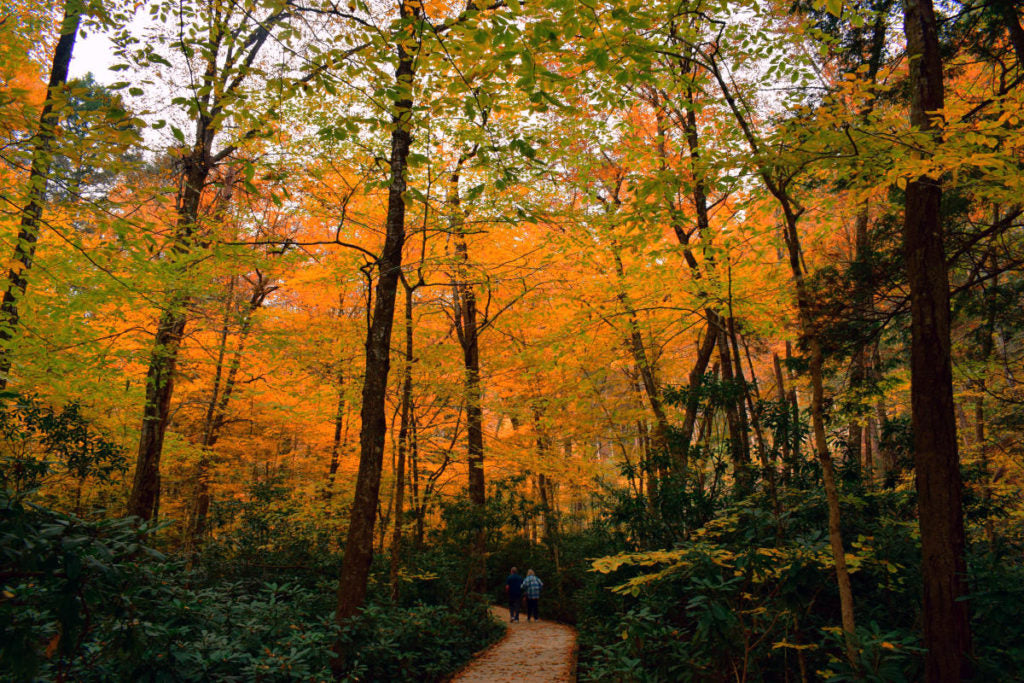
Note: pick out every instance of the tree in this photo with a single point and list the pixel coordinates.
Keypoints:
(227, 59)
(42, 158)
(936, 460)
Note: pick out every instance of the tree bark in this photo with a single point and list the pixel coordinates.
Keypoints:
(1008, 9)
(809, 331)
(355, 565)
(947, 634)
(403, 447)
(340, 437)
(696, 380)
(782, 399)
(467, 326)
(217, 412)
(699, 196)
(645, 366)
(32, 215)
(738, 446)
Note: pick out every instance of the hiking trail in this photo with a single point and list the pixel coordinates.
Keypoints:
(537, 652)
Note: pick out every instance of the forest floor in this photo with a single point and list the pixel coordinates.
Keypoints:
(537, 652)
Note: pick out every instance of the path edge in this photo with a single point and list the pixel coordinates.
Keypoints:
(477, 655)
(575, 656)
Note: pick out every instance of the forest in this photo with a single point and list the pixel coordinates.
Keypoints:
(318, 316)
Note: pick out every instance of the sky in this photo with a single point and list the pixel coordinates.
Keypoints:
(95, 54)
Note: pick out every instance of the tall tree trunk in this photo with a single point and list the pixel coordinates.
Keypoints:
(217, 413)
(31, 216)
(780, 385)
(695, 381)
(144, 499)
(855, 431)
(873, 450)
(1008, 10)
(699, 197)
(403, 446)
(200, 503)
(987, 344)
(645, 367)
(467, 327)
(858, 364)
(419, 507)
(809, 331)
(336, 440)
(857, 439)
(340, 433)
(737, 436)
(947, 634)
(355, 565)
(219, 90)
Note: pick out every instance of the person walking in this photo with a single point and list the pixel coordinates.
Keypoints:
(514, 593)
(531, 587)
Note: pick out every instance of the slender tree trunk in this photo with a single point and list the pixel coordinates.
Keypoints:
(696, 380)
(144, 499)
(781, 392)
(336, 440)
(947, 634)
(737, 438)
(32, 215)
(794, 404)
(874, 447)
(645, 367)
(468, 331)
(1008, 9)
(858, 364)
(817, 372)
(216, 415)
(809, 331)
(987, 344)
(869, 453)
(200, 503)
(547, 501)
(419, 506)
(355, 565)
(703, 229)
(403, 446)
(741, 382)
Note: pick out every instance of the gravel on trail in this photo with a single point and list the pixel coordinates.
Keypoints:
(536, 652)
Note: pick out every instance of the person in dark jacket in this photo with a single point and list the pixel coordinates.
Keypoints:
(514, 592)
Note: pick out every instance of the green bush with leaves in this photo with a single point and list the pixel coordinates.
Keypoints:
(89, 601)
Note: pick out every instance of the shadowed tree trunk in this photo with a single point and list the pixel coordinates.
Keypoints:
(217, 408)
(738, 446)
(699, 196)
(32, 215)
(145, 495)
(980, 419)
(947, 634)
(403, 446)
(467, 328)
(645, 367)
(791, 212)
(337, 440)
(221, 80)
(355, 564)
(1011, 20)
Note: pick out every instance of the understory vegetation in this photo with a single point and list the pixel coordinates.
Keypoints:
(717, 589)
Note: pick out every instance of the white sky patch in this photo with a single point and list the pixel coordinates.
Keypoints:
(93, 54)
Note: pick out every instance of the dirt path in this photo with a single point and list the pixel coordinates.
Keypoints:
(537, 652)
